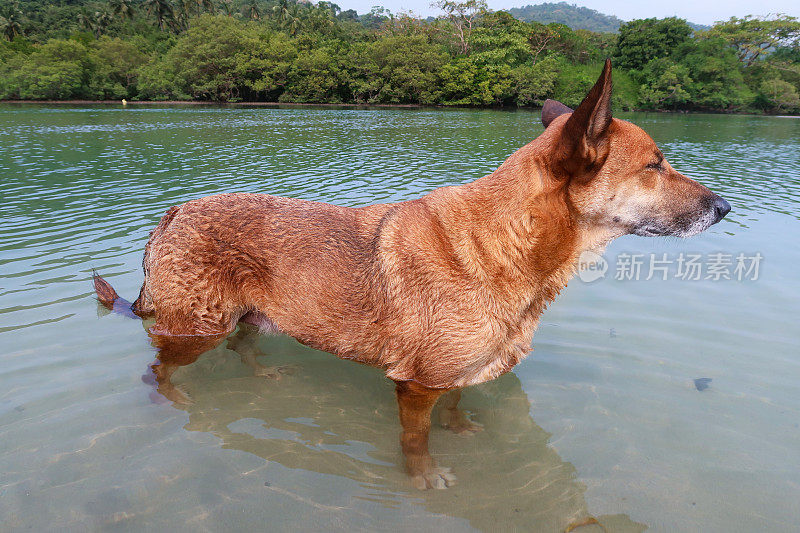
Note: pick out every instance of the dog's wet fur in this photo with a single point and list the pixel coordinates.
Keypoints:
(442, 292)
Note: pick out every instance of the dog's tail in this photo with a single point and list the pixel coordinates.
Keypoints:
(109, 298)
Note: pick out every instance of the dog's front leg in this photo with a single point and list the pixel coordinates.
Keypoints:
(245, 343)
(175, 352)
(416, 403)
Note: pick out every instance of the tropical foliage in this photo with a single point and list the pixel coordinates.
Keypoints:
(293, 51)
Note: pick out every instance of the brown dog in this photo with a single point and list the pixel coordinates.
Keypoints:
(442, 292)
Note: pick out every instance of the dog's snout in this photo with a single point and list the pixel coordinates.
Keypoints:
(721, 208)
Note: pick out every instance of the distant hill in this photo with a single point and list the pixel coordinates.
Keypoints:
(574, 16)
(698, 27)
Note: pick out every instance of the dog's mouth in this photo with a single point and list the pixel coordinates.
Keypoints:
(713, 210)
(682, 226)
(651, 230)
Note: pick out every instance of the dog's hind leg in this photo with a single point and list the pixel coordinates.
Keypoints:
(455, 419)
(416, 403)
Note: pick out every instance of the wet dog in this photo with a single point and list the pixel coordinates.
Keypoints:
(442, 292)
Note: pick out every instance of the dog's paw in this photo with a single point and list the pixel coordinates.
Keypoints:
(458, 423)
(437, 477)
(466, 428)
(274, 372)
(177, 394)
(243, 345)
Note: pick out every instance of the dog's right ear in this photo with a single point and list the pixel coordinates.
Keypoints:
(584, 134)
(552, 109)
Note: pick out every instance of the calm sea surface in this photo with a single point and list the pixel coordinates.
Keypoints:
(604, 419)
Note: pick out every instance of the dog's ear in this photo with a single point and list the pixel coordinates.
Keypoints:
(552, 109)
(585, 131)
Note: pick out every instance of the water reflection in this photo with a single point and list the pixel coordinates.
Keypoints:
(308, 410)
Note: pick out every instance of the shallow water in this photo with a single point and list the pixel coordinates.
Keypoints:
(604, 418)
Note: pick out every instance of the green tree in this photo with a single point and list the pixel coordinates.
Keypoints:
(594, 46)
(717, 81)
(397, 70)
(573, 82)
(575, 79)
(462, 16)
(320, 18)
(666, 84)
(377, 16)
(754, 37)
(642, 40)
(464, 81)
(59, 69)
(500, 39)
(315, 52)
(295, 21)
(221, 59)
(317, 76)
(779, 95)
(116, 67)
(533, 84)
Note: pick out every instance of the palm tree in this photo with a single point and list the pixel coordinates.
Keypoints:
(185, 10)
(252, 10)
(281, 11)
(295, 21)
(86, 21)
(330, 6)
(124, 9)
(101, 22)
(11, 21)
(206, 6)
(161, 10)
(226, 7)
(320, 18)
(10, 27)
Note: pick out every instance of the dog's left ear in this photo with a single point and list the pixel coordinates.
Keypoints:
(553, 109)
(585, 131)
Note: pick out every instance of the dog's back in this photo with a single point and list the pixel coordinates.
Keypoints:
(221, 256)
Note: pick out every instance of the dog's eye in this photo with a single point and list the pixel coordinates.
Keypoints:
(656, 166)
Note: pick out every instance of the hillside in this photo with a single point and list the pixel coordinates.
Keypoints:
(576, 17)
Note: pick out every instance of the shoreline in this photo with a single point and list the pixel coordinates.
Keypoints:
(237, 104)
(355, 106)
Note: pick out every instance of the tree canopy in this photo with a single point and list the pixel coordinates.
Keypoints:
(296, 51)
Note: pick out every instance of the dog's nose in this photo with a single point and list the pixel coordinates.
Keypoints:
(721, 207)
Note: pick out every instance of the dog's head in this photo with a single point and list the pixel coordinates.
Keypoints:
(617, 179)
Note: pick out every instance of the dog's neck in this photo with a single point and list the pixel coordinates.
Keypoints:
(518, 233)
